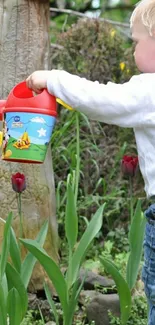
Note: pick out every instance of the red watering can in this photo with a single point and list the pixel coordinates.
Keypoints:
(28, 122)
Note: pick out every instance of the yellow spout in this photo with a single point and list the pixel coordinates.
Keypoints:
(64, 104)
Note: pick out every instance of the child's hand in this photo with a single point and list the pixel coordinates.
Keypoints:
(37, 81)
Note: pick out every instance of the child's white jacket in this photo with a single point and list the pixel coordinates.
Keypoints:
(131, 104)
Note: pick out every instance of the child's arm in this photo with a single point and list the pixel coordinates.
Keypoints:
(120, 104)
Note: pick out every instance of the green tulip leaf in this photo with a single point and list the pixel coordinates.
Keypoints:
(3, 311)
(14, 307)
(51, 269)
(51, 303)
(71, 219)
(73, 301)
(15, 251)
(14, 281)
(86, 239)
(122, 288)
(136, 236)
(5, 286)
(29, 261)
(5, 245)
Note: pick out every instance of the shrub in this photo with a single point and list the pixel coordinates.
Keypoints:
(95, 50)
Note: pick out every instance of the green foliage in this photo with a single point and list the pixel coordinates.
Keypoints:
(51, 303)
(31, 318)
(29, 261)
(13, 287)
(5, 246)
(71, 220)
(136, 236)
(124, 287)
(100, 178)
(120, 259)
(3, 309)
(138, 313)
(120, 239)
(14, 306)
(19, 294)
(15, 251)
(67, 286)
(106, 252)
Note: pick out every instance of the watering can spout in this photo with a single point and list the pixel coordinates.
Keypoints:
(2, 105)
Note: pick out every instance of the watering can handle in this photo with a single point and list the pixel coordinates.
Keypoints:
(22, 96)
(42, 97)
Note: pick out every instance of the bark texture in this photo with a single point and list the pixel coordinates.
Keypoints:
(24, 48)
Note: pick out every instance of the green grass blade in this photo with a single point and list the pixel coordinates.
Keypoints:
(3, 310)
(14, 281)
(71, 219)
(88, 236)
(14, 307)
(51, 269)
(15, 251)
(58, 194)
(29, 261)
(5, 245)
(41, 315)
(51, 303)
(122, 288)
(118, 159)
(136, 236)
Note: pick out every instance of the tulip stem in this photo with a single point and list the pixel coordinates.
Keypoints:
(131, 196)
(19, 201)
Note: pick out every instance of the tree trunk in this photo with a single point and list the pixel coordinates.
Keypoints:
(24, 48)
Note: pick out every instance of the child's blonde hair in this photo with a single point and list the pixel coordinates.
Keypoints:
(144, 13)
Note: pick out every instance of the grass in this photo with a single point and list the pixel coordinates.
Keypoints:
(100, 174)
(35, 152)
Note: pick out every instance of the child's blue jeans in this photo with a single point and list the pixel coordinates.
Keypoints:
(148, 272)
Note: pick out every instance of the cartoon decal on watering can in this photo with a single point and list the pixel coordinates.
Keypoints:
(28, 122)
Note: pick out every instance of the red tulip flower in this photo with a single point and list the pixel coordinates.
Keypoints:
(18, 182)
(129, 166)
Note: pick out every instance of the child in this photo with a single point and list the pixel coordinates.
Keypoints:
(131, 104)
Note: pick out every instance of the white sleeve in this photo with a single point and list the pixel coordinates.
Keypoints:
(120, 104)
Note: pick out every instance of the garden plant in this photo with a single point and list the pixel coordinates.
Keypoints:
(15, 277)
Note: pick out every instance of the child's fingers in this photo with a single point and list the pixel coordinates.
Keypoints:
(37, 81)
(29, 82)
(37, 91)
(32, 85)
